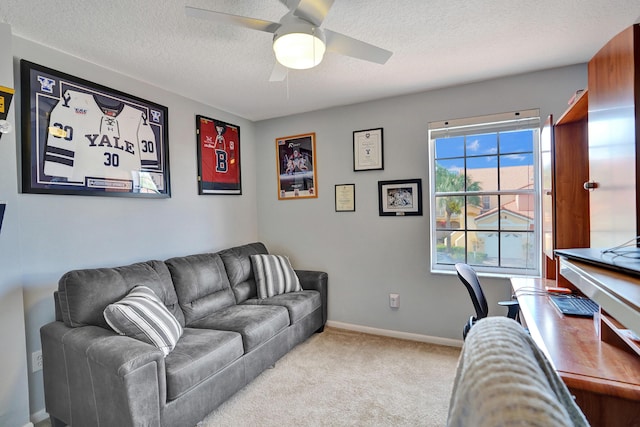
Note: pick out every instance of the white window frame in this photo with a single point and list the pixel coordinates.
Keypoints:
(517, 120)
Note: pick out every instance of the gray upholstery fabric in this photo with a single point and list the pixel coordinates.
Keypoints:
(84, 294)
(256, 323)
(200, 354)
(194, 405)
(319, 281)
(299, 304)
(94, 377)
(201, 284)
(237, 262)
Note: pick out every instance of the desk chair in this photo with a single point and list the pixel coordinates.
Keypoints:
(470, 280)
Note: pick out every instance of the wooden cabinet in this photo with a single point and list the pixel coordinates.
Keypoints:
(565, 168)
(614, 135)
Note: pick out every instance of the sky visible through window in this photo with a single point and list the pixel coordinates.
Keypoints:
(513, 148)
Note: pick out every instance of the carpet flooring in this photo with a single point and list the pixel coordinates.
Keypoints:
(345, 378)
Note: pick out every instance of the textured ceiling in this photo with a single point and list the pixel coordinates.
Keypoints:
(435, 44)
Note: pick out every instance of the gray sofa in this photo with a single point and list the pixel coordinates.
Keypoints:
(96, 377)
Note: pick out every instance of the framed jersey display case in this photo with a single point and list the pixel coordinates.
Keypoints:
(296, 160)
(79, 137)
(218, 157)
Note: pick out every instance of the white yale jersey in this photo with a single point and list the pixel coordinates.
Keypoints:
(87, 141)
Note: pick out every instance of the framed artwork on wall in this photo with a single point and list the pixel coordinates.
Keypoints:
(345, 197)
(218, 157)
(400, 197)
(79, 137)
(296, 166)
(368, 150)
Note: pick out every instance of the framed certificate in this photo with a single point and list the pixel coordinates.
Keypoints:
(368, 150)
(345, 198)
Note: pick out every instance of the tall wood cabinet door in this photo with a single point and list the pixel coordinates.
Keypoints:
(571, 171)
(613, 138)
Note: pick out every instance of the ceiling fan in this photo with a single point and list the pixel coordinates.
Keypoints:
(298, 40)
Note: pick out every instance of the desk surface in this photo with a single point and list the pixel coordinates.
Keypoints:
(573, 345)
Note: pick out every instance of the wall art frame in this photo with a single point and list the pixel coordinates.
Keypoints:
(368, 150)
(296, 166)
(401, 197)
(218, 145)
(345, 197)
(83, 138)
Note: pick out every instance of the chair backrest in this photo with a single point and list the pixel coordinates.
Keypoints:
(470, 280)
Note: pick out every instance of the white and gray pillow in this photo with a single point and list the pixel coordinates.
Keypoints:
(274, 275)
(143, 316)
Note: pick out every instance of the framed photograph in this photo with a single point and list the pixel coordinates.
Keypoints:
(296, 166)
(218, 157)
(368, 150)
(79, 137)
(345, 198)
(400, 198)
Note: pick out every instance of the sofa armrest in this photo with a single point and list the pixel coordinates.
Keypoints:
(92, 376)
(319, 281)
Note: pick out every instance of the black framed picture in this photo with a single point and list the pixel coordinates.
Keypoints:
(82, 138)
(218, 157)
(401, 197)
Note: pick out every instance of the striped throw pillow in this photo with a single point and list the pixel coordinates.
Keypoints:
(142, 315)
(274, 275)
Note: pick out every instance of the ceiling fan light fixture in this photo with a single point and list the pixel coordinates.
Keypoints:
(299, 49)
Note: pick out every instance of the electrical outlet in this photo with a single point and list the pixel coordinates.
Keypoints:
(36, 361)
(394, 300)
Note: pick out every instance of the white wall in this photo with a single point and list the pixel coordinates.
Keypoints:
(59, 233)
(368, 256)
(14, 404)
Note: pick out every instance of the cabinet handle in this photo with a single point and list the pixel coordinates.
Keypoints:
(590, 185)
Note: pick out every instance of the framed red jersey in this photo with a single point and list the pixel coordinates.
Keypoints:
(218, 157)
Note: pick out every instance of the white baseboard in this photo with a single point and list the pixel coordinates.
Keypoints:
(37, 417)
(28, 425)
(396, 334)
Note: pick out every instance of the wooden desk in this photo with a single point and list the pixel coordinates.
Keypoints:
(604, 378)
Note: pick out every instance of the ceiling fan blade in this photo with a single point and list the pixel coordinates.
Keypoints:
(226, 18)
(345, 45)
(279, 72)
(291, 4)
(313, 11)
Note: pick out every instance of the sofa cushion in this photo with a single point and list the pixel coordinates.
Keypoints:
(274, 275)
(239, 269)
(256, 323)
(201, 284)
(199, 354)
(84, 294)
(299, 304)
(141, 315)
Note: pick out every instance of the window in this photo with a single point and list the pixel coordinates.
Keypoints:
(484, 193)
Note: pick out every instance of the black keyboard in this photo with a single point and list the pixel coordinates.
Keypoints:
(575, 306)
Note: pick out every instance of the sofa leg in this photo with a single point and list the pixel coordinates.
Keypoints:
(320, 329)
(56, 422)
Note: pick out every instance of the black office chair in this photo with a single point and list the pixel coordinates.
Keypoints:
(470, 280)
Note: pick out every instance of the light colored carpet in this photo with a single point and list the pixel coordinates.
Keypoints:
(344, 378)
